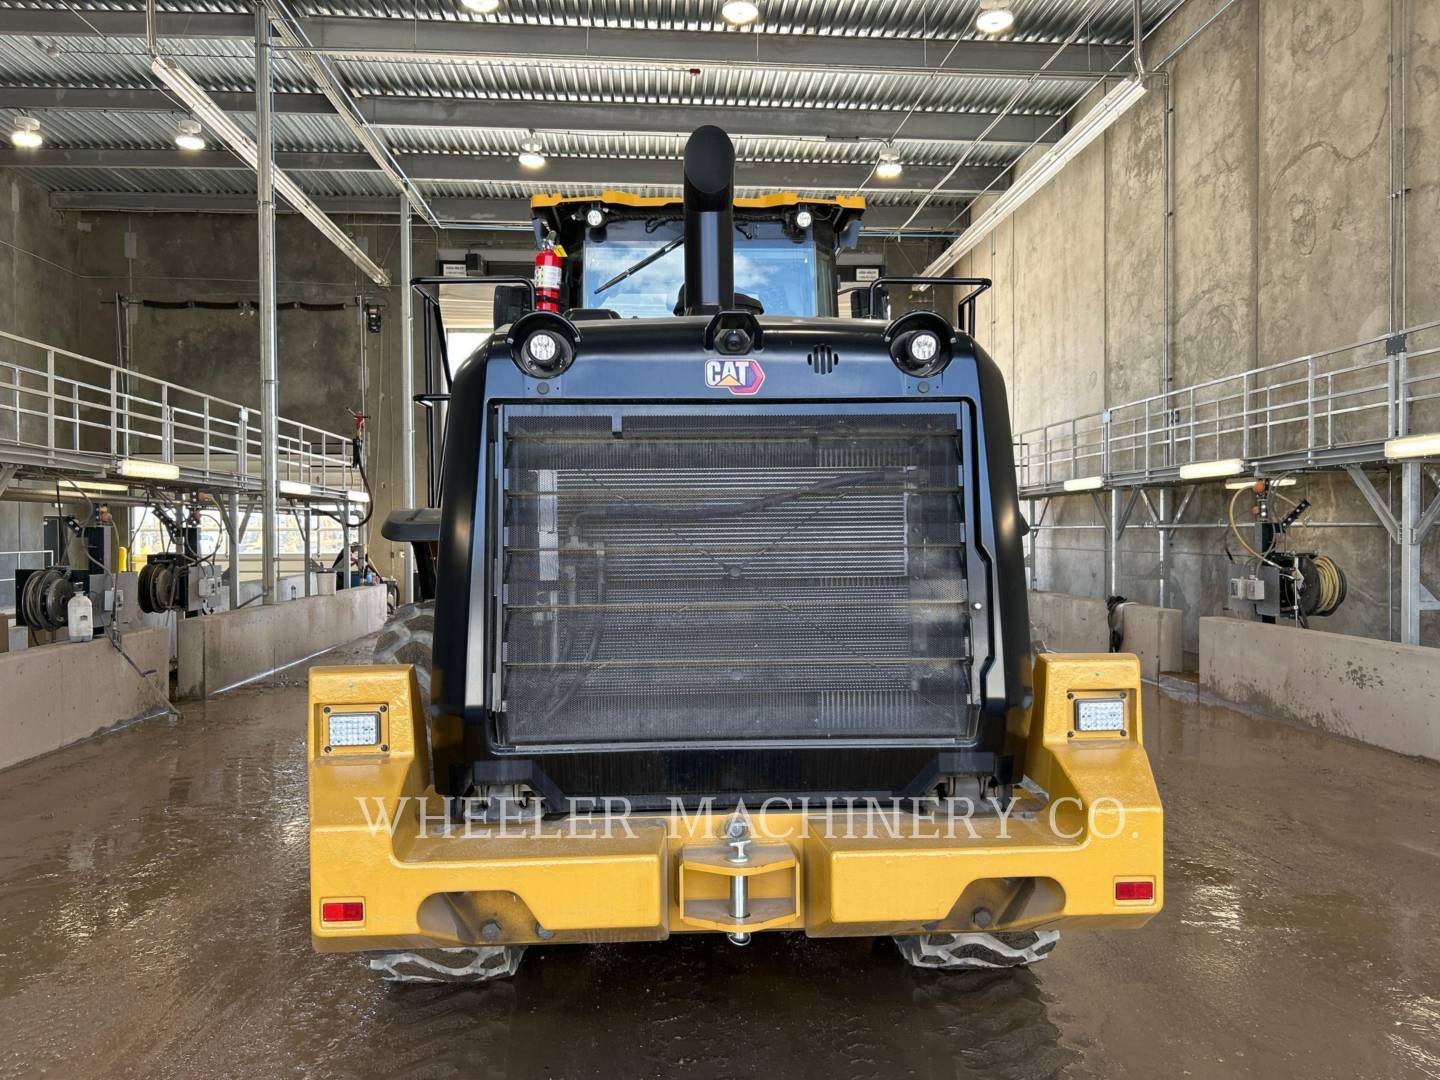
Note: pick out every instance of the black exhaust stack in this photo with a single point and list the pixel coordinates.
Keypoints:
(709, 222)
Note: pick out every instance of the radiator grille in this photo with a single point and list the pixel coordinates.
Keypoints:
(716, 578)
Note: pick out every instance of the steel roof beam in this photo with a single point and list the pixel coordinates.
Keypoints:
(463, 211)
(421, 40)
(764, 121)
(493, 168)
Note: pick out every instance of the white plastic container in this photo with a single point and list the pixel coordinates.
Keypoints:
(80, 618)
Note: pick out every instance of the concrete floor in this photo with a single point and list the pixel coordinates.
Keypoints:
(153, 921)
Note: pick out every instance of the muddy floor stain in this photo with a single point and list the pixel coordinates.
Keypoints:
(153, 904)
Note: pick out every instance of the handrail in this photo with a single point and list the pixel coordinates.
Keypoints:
(1309, 411)
(60, 409)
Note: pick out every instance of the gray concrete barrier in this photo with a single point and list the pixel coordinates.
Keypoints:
(216, 652)
(1379, 692)
(58, 694)
(1067, 623)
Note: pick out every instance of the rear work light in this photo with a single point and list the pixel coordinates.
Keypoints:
(1100, 714)
(352, 729)
(1135, 890)
(334, 911)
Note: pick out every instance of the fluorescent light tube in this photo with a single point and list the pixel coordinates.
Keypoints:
(1085, 483)
(358, 496)
(294, 487)
(143, 469)
(1413, 446)
(1086, 130)
(1211, 470)
(218, 121)
(1241, 485)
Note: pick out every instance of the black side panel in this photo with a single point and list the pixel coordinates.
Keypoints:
(456, 591)
(1010, 529)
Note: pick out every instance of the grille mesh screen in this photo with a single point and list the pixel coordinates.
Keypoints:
(726, 578)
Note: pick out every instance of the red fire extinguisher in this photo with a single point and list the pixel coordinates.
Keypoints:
(549, 264)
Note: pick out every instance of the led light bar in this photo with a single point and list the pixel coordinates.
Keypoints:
(352, 729)
(1413, 446)
(144, 469)
(1086, 130)
(1085, 483)
(294, 487)
(1211, 470)
(218, 121)
(1100, 714)
(358, 496)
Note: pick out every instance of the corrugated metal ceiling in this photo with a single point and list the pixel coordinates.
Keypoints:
(77, 61)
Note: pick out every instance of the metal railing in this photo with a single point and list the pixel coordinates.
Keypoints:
(1328, 408)
(62, 411)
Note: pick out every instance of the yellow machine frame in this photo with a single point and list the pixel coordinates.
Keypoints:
(1088, 818)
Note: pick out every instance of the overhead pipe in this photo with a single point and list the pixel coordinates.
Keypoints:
(298, 44)
(407, 394)
(269, 367)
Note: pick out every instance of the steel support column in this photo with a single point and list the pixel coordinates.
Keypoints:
(407, 394)
(1412, 592)
(233, 528)
(269, 372)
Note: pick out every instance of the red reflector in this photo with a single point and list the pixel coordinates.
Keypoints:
(346, 911)
(1134, 890)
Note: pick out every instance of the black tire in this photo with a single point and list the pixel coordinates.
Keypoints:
(408, 637)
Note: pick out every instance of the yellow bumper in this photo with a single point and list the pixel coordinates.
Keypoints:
(379, 839)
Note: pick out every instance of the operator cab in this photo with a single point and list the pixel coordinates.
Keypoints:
(625, 254)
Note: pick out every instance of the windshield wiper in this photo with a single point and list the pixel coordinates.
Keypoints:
(654, 256)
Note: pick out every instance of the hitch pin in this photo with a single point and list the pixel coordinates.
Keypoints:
(738, 837)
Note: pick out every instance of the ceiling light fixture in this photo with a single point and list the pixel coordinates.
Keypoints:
(27, 133)
(1085, 483)
(531, 156)
(187, 135)
(481, 7)
(739, 12)
(995, 17)
(889, 167)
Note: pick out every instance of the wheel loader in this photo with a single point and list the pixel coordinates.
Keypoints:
(723, 629)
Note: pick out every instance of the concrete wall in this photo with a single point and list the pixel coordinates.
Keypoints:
(1281, 151)
(1375, 691)
(218, 651)
(40, 298)
(58, 694)
(1066, 623)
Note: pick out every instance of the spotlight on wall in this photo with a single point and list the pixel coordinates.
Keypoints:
(995, 17)
(27, 133)
(739, 12)
(187, 135)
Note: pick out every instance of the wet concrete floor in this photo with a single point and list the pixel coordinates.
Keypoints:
(153, 922)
